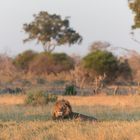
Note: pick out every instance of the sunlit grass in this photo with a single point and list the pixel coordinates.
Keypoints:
(119, 119)
(128, 100)
(49, 130)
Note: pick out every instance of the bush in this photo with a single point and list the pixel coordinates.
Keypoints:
(101, 62)
(63, 62)
(51, 63)
(23, 60)
(70, 90)
(39, 98)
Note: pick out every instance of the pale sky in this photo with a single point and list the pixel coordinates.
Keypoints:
(104, 20)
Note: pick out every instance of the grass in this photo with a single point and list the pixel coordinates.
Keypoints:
(119, 119)
(12, 99)
(128, 100)
(48, 130)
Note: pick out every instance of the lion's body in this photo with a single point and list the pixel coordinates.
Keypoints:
(81, 117)
(63, 110)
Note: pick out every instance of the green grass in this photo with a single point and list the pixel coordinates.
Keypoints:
(43, 113)
(109, 113)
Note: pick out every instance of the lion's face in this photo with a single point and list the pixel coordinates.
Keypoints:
(62, 109)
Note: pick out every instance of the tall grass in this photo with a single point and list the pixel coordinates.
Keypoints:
(119, 119)
(48, 130)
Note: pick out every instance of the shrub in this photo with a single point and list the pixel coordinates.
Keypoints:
(23, 60)
(101, 62)
(63, 62)
(39, 98)
(41, 64)
(70, 90)
(51, 63)
(52, 97)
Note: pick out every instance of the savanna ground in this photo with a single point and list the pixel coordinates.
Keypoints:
(119, 119)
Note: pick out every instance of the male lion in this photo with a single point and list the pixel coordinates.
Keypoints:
(63, 110)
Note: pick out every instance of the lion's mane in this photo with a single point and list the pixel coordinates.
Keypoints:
(62, 109)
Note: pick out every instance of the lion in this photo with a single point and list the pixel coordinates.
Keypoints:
(63, 110)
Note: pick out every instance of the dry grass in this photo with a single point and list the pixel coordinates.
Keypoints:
(70, 131)
(11, 99)
(131, 100)
(119, 115)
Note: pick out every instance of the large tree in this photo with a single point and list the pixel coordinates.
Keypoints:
(135, 7)
(51, 30)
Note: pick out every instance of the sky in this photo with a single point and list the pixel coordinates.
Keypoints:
(95, 20)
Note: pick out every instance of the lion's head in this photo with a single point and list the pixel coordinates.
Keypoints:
(62, 109)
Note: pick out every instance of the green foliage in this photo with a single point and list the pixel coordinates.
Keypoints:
(23, 60)
(63, 62)
(135, 7)
(124, 71)
(52, 97)
(70, 90)
(39, 98)
(101, 62)
(51, 63)
(51, 30)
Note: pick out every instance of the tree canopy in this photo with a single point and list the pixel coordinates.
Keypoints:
(135, 7)
(101, 62)
(22, 61)
(51, 30)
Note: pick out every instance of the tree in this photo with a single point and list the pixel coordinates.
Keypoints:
(101, 62)
(51, 30)
(135, 7)
(23, 60)
(99, 45)
(63, 62)
(124, 70)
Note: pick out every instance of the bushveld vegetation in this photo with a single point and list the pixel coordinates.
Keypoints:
(95, 72)
(31, 82)
(39, 98)
(29, 115)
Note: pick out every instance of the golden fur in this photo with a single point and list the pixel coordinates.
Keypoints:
(62, 109)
